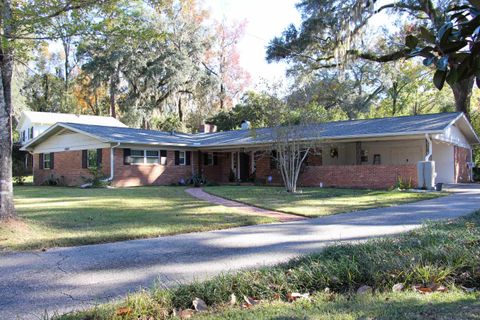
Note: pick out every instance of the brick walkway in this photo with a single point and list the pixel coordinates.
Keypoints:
(244, 208)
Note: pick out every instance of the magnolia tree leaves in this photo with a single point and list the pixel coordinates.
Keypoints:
(454, 50)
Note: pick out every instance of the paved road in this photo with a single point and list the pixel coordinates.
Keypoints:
(65, 279)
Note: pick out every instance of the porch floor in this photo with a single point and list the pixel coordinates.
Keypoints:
(242, 207)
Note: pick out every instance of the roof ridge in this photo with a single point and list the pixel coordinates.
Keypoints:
(200, 134)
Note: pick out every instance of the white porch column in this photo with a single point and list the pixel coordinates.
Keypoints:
(252, 162)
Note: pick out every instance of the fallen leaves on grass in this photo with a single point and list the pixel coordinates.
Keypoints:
(183, 314)
(250, 302)
(233, 299)
(123, 311)
(199, 305)
(468, 290)
(429, 289)
(294, 296)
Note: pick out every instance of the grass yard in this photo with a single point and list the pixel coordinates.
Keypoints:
(438, 254)
(316, 202)
(56, 216)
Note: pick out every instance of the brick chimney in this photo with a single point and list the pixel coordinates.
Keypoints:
(207, 128)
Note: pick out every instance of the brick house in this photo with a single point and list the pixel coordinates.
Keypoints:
(372, 153)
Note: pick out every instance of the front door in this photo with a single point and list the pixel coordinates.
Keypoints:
(244, 166)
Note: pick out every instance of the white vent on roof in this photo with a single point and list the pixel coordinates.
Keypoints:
(245, 125)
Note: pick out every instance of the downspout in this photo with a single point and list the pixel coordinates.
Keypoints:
(429, 155)
(471, 164)
(112, 161)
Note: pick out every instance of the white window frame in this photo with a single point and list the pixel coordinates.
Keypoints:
(94, 152)
(157, 157)
(45, 161)
(144, 157)
(182, 158)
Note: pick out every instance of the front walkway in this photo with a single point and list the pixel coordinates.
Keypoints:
(242, 207)
(67, 279)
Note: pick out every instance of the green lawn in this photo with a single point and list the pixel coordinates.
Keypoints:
(315, 201)
(442, 253)
(56, 216)
(386, 306)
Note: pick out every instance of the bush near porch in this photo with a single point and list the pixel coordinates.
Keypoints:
(314, 202)
(59, 216)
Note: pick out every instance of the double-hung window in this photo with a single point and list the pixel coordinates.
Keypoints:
(137, 156)
(92, 159)
(152, 156)
(209, 159)
(182, 158)
(47, 161)
(145, 156)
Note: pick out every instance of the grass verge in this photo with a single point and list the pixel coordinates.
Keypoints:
(442, 253)
(317, 201)
(57, 216)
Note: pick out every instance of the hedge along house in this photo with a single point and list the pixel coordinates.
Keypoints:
(372, 153)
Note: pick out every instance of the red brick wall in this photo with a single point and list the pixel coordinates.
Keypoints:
(358, 176)
(263, 169)
(462, 172)
(151, 174)
(220, 172)
(68, 168)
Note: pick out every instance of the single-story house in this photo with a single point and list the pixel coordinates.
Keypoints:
(371, 153)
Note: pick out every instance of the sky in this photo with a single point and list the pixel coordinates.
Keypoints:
(265, 20)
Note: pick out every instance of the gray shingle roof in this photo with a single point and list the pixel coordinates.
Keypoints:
(406, 125)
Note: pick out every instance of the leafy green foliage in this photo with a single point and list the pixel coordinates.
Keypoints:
(97, 177)
(258, 108)
(453, 50)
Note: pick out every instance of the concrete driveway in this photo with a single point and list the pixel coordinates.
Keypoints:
(65, 279)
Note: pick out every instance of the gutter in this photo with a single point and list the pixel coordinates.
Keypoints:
(112, 161)
(429, 155)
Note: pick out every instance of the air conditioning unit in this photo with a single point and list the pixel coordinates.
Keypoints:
(426, 174)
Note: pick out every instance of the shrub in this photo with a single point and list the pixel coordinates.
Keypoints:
(404, 184)
(19, 174)
(97, 178)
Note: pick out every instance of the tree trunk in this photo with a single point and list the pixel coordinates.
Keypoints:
(7, 208)
(113, 112)
(462, 92)
(180, 111)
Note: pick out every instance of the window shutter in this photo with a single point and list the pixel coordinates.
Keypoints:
(126, 156)
(177, 158)
(215, 159)
(84, 159)
(52, 160)
(205, 159)
(273, 160)
(99, 157)
(188, 155)
(40, 161)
